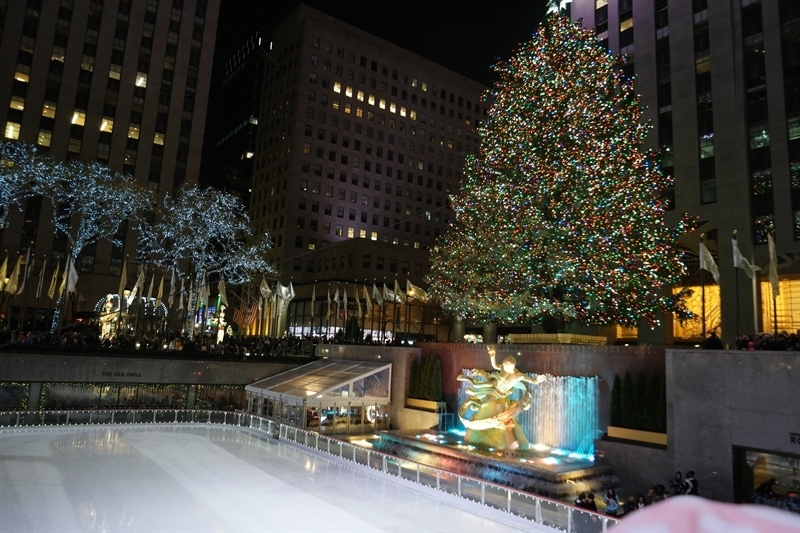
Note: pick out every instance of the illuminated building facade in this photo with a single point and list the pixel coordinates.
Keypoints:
(721, 84)
(120, 82)
(360, 144)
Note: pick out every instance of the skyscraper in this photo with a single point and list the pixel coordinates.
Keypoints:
(721, 83)
(116, 81)
(360, 143)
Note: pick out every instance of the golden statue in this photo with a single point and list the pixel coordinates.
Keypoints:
(493, 421)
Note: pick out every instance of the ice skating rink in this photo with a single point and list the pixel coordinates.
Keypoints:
(210, 479)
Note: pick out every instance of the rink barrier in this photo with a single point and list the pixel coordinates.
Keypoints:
(537, 509)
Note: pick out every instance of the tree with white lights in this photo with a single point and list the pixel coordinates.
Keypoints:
(21, 166)
(207, 231)
(91, 202)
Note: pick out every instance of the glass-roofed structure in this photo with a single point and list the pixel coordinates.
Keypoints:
(330, 396)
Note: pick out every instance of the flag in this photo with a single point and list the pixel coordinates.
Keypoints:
(388, 295)
(344, 302)
(41, 279)
(123, 280)
(739, 261)
(328, 316)
(773, 266)
(415, 293)
(377, 296)
(359, 311)
(26, 272)
(336, 299)
(206, 290)
(250, 313)
(138, 285)
(62, 287)
(171, 299)
(313, 299)
(238, 316)
(13, 279)
(367, 301)
(72, 279)
(180, 297)
(160, 294)
(707, 262)
(150, 290)
(399, 296)
(264, 288)
(3, 271)
(223, 297)
(51, 290)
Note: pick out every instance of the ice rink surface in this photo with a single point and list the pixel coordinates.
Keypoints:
(210, 479)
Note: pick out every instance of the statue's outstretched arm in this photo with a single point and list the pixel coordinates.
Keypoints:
(493, 357)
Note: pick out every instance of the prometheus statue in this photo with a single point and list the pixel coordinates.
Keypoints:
(488, 413)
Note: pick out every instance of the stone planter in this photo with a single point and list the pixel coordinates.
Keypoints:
(637, 435)
(425, 405)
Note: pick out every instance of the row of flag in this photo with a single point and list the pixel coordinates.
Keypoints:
(377, 296)
(740, 261)
(21, 273)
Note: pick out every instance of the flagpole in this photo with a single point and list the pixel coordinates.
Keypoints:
(703, 293)
(28, 264)
(736, 286)
(62, 316)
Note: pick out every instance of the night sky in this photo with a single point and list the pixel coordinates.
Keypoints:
(467, 36)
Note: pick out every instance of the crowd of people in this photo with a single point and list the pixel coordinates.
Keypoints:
(613, 505)
(783, 341)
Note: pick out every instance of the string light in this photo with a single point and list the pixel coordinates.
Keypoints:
(560, 215)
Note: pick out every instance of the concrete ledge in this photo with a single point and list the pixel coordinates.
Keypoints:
(557, 338)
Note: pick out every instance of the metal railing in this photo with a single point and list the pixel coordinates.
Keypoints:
(538, 509)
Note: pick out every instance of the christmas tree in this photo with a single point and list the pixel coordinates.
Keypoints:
(559, 217)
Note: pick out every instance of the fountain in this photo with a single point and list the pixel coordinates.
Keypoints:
(533, 433)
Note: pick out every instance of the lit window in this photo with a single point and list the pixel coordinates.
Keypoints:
(49, 110)
(12, 130)
(158, 138)
(133, 131)
(58, 54)
(371, 99)
(414, 82)
(21, 76)
(392, 108)
(413, 115)
(335, 103)
(78, 117)
(17, 102)
(382, 103)
(74, 145)
(337, 87)
(374, 236)
(115, 71)
(348, 91)
(249, 155)
(107, 125)
(625, 25)
(347, 108)
(360, 96)
(402, 111)
(362, 233)
(45, 138)
(141, 79)
(424, 86)
(351, 232)
(359, 112)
